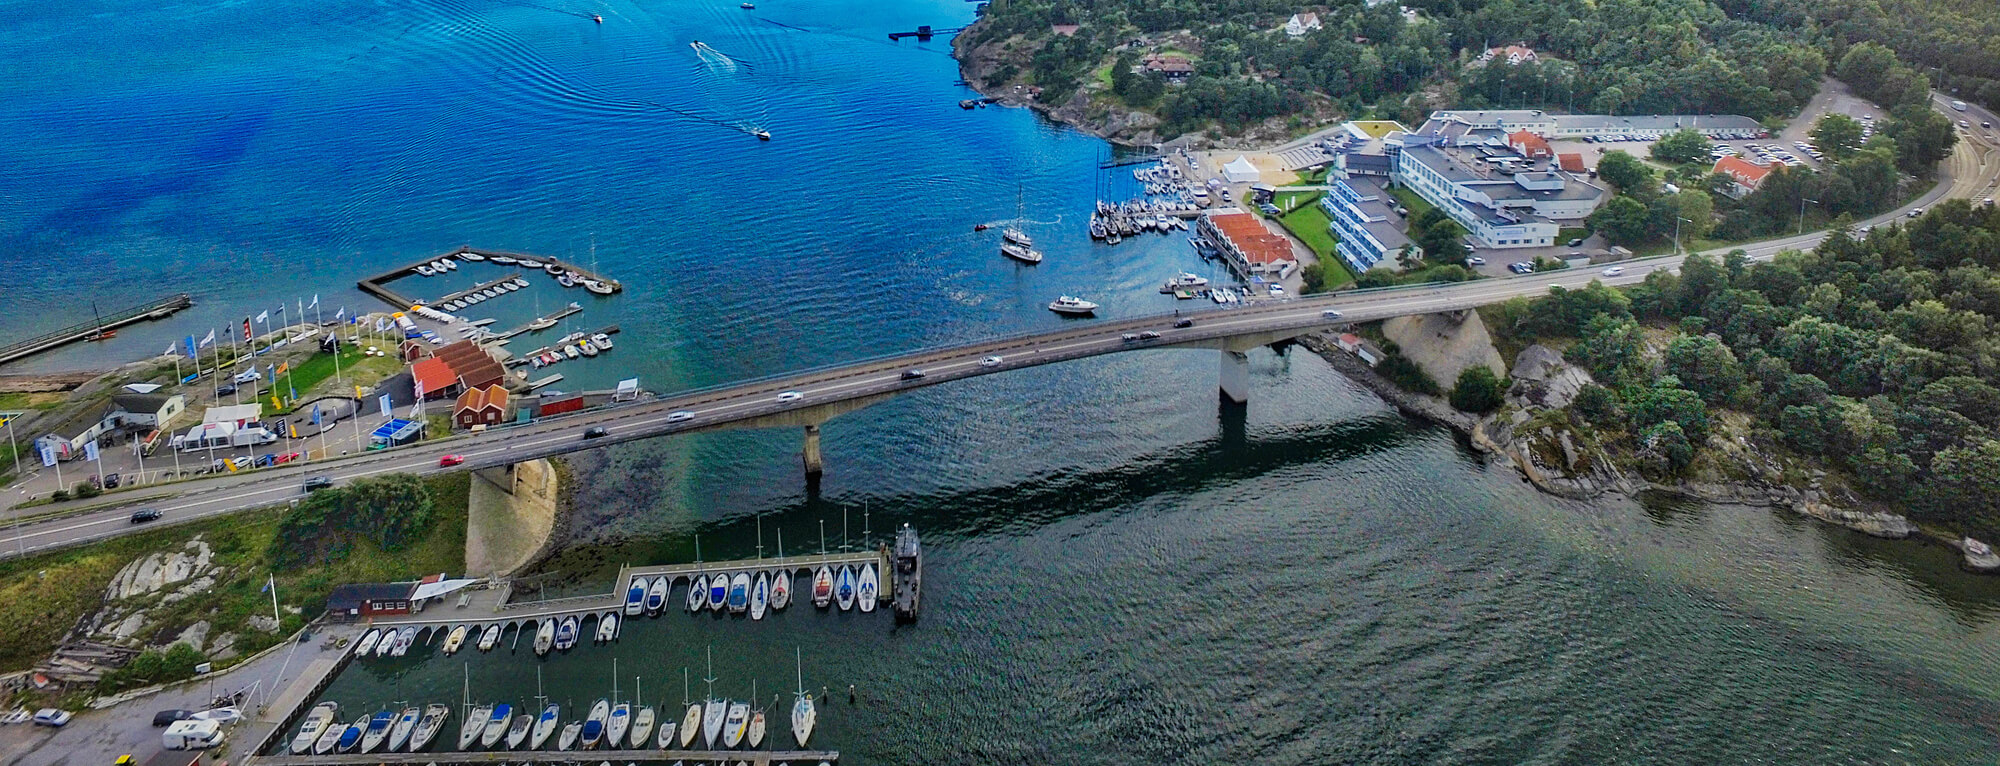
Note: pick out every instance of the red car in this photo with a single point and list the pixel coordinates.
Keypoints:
(289, 457)
(450, 460)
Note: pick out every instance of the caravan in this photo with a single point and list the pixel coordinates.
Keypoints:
(192, 735)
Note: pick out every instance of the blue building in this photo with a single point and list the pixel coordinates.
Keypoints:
(1363, 223)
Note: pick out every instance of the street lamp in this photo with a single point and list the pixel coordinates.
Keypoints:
(1802, 212)
(1677, 233)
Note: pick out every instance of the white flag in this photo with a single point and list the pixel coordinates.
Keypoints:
(341, 313)
(207, 340)
(263, 316)
(90, 450)
(170, 349)
(48, 455)
(315, 303)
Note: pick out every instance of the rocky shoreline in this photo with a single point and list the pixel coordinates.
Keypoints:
(1585, 473)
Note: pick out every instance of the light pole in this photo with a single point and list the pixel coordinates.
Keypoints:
(1802, 212)
(1677, 233)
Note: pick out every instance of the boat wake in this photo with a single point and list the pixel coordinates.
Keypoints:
(710, 55)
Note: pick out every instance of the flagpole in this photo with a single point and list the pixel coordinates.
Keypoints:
(139, 451)
(272, 582)
(16, 447)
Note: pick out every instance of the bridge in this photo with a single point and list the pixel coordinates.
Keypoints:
(1972, 172)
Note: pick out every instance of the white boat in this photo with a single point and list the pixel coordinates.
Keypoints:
(566, 633)
(616, 724)
(1022, 254)
(1017, 237)
(406, 724)
(593, 724)
(565, 281)
(552, 269)
(1184, 281)
(517, 732)
(474, 723)
(822, 586)
(690, 725)
(542, 324)
(1072, 306)
(570, 351)
(598, 288)
(519, 283)
(428, 726)
(571, 732)
(635, 596)
(316, 722)
(490, 638)
(803, 714)
(500, 259)
(388, 642)
(350, 736)
(456, 640)
(756, 735)
(718, 591)
(586, 347)
(425, 270)
(545, 637)
(330, 738)
(868, 590)
(656, 596)
(698, 593)
(781, 589)
(405, 638)
(736, 725)
(713, 713)
(843, 588)
(760, 596)
(529, 262)
(496, 725)
(601, 341)
(665, 738)
(367, 643)
(607, 627)
(545, 725)
(471, 256)
(642, 727)
(739, 593)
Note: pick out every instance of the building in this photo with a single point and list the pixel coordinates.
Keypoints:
(1364, 222)
(236, 415)
(1361, 347)
(145, 411)
(486, 406)
(454, 369)
(1571, 163)
(1744, 176)
(1301, 23)
(1502, 200)
(1510, 55)
(1529, 145)
(1246, 245)
(67, 439)
(348, 602)
(1457, 124)
(434, 379)
(1174, 68)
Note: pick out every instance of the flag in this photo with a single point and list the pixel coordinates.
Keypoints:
(315, 420)
(207, 340)
(315, 303)
(381, 323)
(337, 314)
(48, 455)
(190, 346)
(90, 450)
(170, 349)
(246, 328)
(358, 394)
(265, 316)
(384, 401)
(282, 368)
(270, 581)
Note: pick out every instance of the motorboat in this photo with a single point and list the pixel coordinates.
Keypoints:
(425, 270)
(406, 724)
(517, 732)
(450, 264)
(529, 262)
(607, 628)
(616, 724)
(317, 720)
(593, 725)
(781, 589)
(690, 725)
(868, 589)
(635, 596)
(566, 633)
(545, 637)
(571, 733)
(542, 324)
(1184, 281)
(367, 643)
(329, 738)
(428, 726)
(586, 347)
(1072, 306)
(565, 281)
(760, 596)
(1017, 237)
(1022, 254)
(496, 725)
(665, 738)
(718, 591)
(455, 640)
(519, 283)
(843, 588)
(762, 135)
(803, 714)
(499, 259)
(739, 593)
(822, 587)
(545, 725)
(570, 351)
(553, 270)
(642, 727)
(598, 288)
(712, 717)
(601, 341)
(474, 723)
(350, 736)
(656, 596)
(736, 725)
(388, 642)
(490, 638)
(698, 593)
(471, 256)
(405, 638)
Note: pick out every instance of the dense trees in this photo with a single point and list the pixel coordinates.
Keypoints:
(1681, 147)
(390, 511)
(1478, 390)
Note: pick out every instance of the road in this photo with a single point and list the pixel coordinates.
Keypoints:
(1972, 172)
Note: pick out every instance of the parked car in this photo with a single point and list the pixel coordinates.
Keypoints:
(165, 717)
(112, 480)
(451, 460)
(681, 416)
(140, 517)
(790, 396)
(595, 432)
(225, 390)
(1578, 242)
(913, 374)
(1476, 260)
(49, 716)
(318, 483)
(249, 375)
(289, 457)
(266, 459)
(1915, 212)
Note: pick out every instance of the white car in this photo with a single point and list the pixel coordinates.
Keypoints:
(249, 376)
(991, 361)
(49, 716)
(1330, 314)
(790, 396)
(1476, 261)
(220, 715)
(681, 416)
(1614, 271)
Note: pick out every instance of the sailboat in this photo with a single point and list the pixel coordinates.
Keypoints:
(642, 718)
(712, 711)
(803, 714)
(1011, 233)
(698, 593)
(760, 596)
(593, 726)
(781, 580)
(756, 733)
(428, 726)
(868, 590)
(718, 591)
(474, 723)
(843, 588)
(822, 586)
(406, 723)
(691, 721)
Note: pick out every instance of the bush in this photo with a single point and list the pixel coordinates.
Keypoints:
(59, 495)
(391, 511)
(1478, 390)
(1407, 375)
(86, 490)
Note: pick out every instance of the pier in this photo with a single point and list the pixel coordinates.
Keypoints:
(757, 757)
(377, 285)
(924, 32)
(555, 317)
(511, 276)
(159, 309)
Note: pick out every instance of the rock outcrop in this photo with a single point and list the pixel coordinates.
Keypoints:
(1979, 557)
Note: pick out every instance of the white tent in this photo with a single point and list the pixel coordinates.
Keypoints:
(234, 414)
(1240, 170)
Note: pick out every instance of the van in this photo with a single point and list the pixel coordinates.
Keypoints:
(1958, 105)
(192, 735)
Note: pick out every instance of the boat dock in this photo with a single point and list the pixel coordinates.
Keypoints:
(757, 757)
(159, 309)
(548, 381)
(797, 565)
(558, 316)
(377, 285)
(511, 276)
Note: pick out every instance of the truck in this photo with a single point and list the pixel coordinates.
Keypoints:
(192, 735)
(1958, 105)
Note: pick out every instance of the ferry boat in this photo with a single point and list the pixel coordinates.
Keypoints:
(316, 723)
(1022, 254)
(1183, 281)
(1073, 306)
(428, 726)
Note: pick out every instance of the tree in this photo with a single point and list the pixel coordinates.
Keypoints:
(1965, 485)
(1677, 148)
(1610, 348)
(1622, 220)
(1923, 138)
(1667, 440)
(1596, 404)
(1692, 209)
(1865, 66)
(1312, 279)
(1837, 135)
(1665, 401)
(1478, 390)
(1705, 366)
(1625, 172)
(1443, 242)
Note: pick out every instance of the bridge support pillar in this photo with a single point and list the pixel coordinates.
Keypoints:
(1236, 376)
(814, 466)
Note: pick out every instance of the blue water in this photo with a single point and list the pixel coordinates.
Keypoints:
(1122, 571)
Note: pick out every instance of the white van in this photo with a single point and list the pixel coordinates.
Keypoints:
(192, 735)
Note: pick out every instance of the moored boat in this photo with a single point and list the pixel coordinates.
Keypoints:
(316, 723)
(756, 736)
(1183, 281)
(545, 636)
(656, 596)
(867, 589)
(822, 586)
(1017, 237)
(455, 640)
(598, 288)
(593, 725)
(718, 591)
(843, 588)
(635, 596)
(713, 715)
(616, 724)
(690, 724)
(545, 725)
(665, 738)
(760, 596)
(406, 724)
(329, 738)
(496, 725)
(425, 270)
(697, 593)
(566, 633)
(350, 737)
(601, 341)
(642, 727)
(500, 259)
(781, 589)
(471, 256)
(571, 733)
(490, 638)
(803, 713)
(739, 593)
(607, 628)
(517, 732)
(367, 643)
(429, 726)
(736, 724)
(1072, 306)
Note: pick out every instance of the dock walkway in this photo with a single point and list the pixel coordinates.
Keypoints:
(511, 276)
(158, 309)
(377, 285)
(757, 757)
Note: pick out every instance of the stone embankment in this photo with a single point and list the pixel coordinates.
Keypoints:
(509, 516)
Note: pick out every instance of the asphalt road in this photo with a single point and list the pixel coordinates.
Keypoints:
(1973, 172)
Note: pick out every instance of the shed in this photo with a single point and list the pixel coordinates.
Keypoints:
(348, 602)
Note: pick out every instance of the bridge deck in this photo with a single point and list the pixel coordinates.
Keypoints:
(758, 757)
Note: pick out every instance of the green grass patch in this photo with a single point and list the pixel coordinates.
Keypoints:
(1309, 223)
(38, 400)
(1411, 201)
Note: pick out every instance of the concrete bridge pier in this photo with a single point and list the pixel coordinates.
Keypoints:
(814, 465)
(1235, 376)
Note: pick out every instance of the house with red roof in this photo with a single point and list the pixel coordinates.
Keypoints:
(1571, 163)
(1248, 246)
(1745, 176)
(488, 406)
(1529, 145)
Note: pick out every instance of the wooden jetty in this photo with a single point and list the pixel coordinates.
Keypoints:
(547, 381)
(924, 32)
(757, 757)
(377, 285)
(572, 308)
(159, 309)
(511, 276)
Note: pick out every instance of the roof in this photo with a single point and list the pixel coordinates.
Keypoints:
(1744, 171)
(1169, 64)
(435, 588)
(1066, 30)
(1528, 143)
(471, 365)
(1306, 19)
(1570, 162)
(1257, 243)
(487, 397)
(354, 595)
(233, 413)
(146, 403)
(1658, 122)
(433, 374)
(1241, 164)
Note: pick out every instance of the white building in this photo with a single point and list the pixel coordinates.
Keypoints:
(1301, 23)
(1364, 223)
(1502, 201)
(1457, 124)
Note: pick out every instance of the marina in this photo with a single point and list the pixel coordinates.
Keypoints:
(754, 757)
(565, 273)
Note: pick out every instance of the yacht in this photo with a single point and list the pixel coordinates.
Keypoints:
(1184, 281)
(1021, 253)
(517, 732)
(713, 714)
(736, 724)
(822, 586)
(593, 726)
(406, 724)
(316, 722)
(471, 256)
(545, 637)
(475, 722)
(602, 341)
(597, 287)
(803, 715)
(635, 596)
(642, 727)
(566, 633)
(739, 593)
(843, 588)
(350, 736)
(429, 726)
(781, 589)
(329, 738)
(615, 726)
(545, 725)
(377, 731)
(656, 596)
(496, 725)
(867, 589)
(760, 596)
(1017, 237)
(718, 592)
(1072, 306)
(607, 628)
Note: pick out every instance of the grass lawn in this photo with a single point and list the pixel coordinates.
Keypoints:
(1309, 224)
(1567, 233)
(40, 400)
(1415, 204)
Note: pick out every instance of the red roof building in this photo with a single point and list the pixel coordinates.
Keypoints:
(1572, 163)
(1252, 248)
(1529, 145)
(486, 406)
(1746, 175)
(434, 379)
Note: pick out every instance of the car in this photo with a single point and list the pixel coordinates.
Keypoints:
(243, 463)
(1985, 123)
(1554, 287)
(451, 460)
(1183, 324)
(1578, 242)
(679, 416)
(790, 396)
(1914, 212)
(49, 716)
(913, 374)
(225, 390)
(595, 432)
(249, 375)
(1149, 335)
(991, 361)
(1330, 314)
(1614, 271)
(267, 459)
(289, 457)
(1476, 260)
(165, 717)
(125, 760)
(318, 483)
(1130, 337)
(111, 480)
(142, 516)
